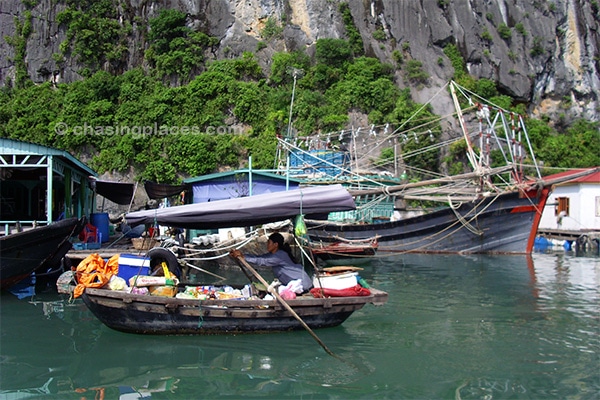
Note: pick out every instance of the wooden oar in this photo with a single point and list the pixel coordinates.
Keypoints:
(274, 292)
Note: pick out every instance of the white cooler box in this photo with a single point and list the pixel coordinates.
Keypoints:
(336, 281)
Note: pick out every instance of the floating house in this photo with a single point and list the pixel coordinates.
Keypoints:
(574, 205)
(572, 215)
(238, 183)
(40, 185)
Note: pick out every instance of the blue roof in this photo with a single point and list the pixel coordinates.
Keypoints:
(220, 175)
(19, 147)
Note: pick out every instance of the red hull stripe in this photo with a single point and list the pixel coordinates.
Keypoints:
(522, 209)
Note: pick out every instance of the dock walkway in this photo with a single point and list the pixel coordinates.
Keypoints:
(584, 240)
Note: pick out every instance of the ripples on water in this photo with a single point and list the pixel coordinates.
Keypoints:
(455, 327)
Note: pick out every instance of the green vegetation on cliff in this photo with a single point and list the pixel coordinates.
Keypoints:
(221, 112)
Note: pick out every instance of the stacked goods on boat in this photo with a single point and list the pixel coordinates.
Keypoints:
(130, 265)
(135, 270)
(168, 287)
(340, 281)
(133, 274)
(206, 292)
(153, 285)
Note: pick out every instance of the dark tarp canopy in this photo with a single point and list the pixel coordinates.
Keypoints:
(246, 211)
(162, 190)
(120, 193)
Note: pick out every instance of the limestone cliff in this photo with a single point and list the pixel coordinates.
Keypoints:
(544, 53)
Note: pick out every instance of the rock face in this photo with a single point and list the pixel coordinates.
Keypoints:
(544, 53)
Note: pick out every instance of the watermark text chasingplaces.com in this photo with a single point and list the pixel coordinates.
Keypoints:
(62, 128)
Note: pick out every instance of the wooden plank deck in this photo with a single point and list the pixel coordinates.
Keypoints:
(565, 234)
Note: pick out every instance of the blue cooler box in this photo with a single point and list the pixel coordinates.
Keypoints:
(130, 265)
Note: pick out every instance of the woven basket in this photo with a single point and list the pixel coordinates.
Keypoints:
(144, 243)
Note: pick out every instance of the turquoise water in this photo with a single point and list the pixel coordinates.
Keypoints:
(455, 327)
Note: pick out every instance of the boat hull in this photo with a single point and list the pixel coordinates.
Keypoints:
(342, 253)
(502, 224)
(24, 252)
(154, 315)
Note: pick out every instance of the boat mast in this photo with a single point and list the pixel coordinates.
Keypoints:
(470, 152)
(296, 73)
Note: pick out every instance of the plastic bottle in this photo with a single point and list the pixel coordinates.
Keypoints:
(362, 282)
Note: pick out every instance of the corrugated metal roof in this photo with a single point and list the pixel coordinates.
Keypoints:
(591, 178)
(19, 147)
(220, 175)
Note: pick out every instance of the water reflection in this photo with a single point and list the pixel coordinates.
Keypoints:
(490, 326)
(80, 358)
(454, 327)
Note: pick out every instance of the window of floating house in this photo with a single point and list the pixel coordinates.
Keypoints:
(562, 204)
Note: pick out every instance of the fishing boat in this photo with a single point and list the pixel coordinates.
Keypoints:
(241, 312)
(494, 208)
(344, 251)
(504, 223)
(40, 248)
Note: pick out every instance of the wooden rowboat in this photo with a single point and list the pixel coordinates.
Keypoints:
(143, 314)
(129, 311)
